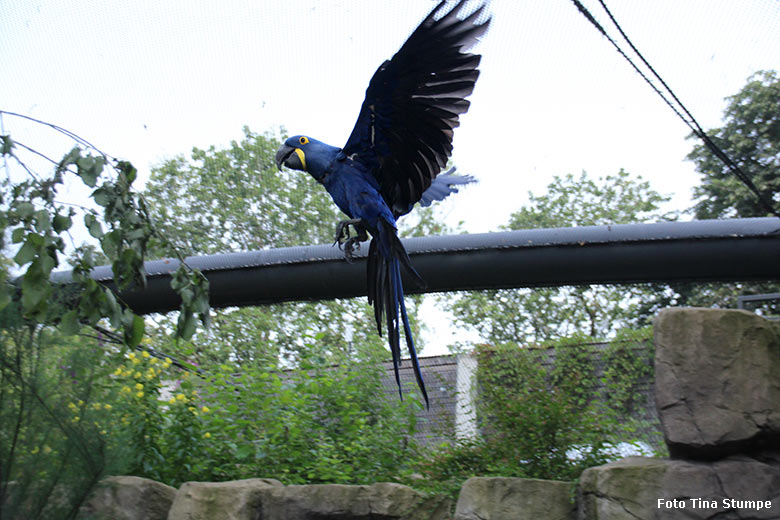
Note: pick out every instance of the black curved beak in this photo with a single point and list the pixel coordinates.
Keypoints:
(282, 154)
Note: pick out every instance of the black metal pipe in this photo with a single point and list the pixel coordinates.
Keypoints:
(727, 250)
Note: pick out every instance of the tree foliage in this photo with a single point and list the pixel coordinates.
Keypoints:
(750, 135)
(536, 315)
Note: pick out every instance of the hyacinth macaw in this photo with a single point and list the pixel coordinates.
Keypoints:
(393, 158)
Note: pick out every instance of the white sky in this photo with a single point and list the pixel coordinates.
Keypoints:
(147, 81)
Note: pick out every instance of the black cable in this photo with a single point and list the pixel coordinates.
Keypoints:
(691, 122)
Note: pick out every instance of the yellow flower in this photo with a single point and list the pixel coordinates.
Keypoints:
(136, 360)
(139, 386)
(205, 409)
(81, 403)
(181, 397)
(137, 375)
(126, 389)
(131, 355)
(139, 394)
(76, 419)
(72, 407)
(153, 361)
(168, 361)
(207, 435)
(146, 354)
(172, 400)
(118, 371)
(107, 406)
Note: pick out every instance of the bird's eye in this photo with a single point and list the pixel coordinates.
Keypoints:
(303, 140)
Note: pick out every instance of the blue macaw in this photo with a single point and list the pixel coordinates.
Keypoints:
(393, 158)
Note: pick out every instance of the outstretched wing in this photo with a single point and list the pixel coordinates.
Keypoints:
(404, 131)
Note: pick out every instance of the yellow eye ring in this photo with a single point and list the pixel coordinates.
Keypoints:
(303, 140)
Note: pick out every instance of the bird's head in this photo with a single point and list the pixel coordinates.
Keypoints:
(303, 153)
(292, 153)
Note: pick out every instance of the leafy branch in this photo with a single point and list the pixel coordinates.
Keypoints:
(120, 223)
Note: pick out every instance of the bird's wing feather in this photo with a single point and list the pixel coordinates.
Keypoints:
(404, 131)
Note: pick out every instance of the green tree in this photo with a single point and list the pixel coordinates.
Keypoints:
(537, 315)
(751, 137)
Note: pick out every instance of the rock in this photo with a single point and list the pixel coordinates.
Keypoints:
(268, 499)
(383, 501)
(128, 498)
(234, 500)
(638, 488)
(717, 382)
(499, 498)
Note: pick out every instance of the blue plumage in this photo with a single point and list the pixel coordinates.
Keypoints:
(395, 154)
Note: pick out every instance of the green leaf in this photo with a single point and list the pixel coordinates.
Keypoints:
(186, 325)
(69, 323)
(18, 235)
(93, 226)
(128, 170)
(135, 332)
(102, 196)
(61, 223)
(26, 253)
(25, 209)
(70, 158)
(113, 309)
(89, 168)
(42, 221)
(35, 289)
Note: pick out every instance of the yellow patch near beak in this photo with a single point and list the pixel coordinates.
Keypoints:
(301, 156)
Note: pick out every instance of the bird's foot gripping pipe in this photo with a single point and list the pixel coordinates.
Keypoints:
(346, 241)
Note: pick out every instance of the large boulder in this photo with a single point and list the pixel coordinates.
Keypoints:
(268, 499)
(234, 500)
(380, 501)
(128, 498)
(500, 498)
(637, 488)
(717, 382)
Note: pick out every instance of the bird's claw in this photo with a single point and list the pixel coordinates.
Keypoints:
(342, 232)
(348, 242)
(348, 246)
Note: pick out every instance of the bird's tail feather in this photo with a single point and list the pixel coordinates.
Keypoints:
(386, 254)
(408, 336)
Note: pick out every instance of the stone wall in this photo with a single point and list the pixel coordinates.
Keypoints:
(718, 399)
